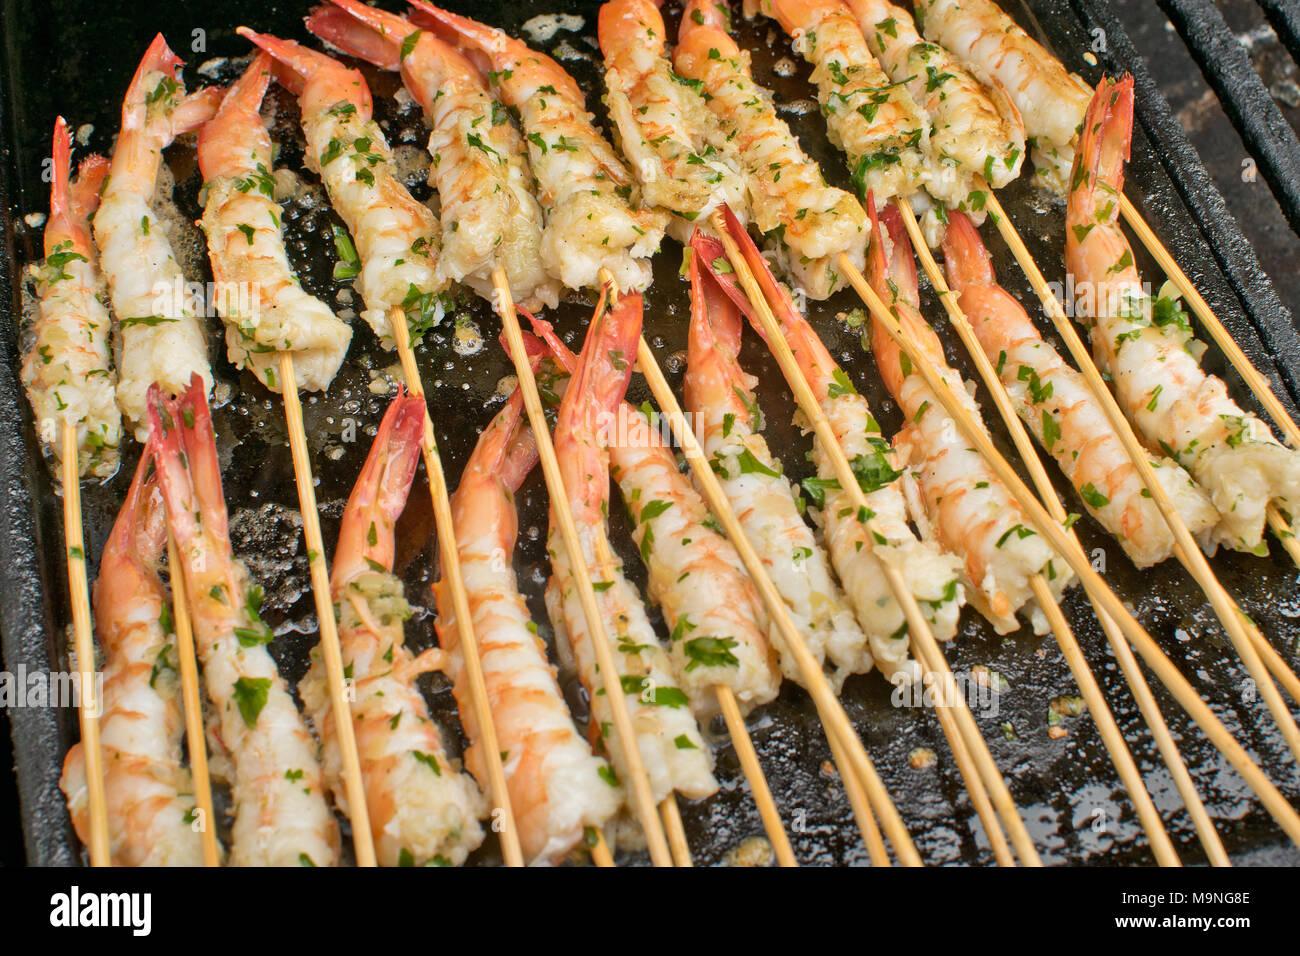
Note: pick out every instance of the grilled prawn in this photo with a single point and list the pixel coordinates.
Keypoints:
(672, 749)
(557, 786)
(594, 217)
(422, 809)
(728, 422)
(717, 621)
(1146, 346)
(858, 555)
(262, 303)
(149, 792)
(68, 371)
(490, 217)
(1051, 100)
(161, 338)
(874, 120)
(397, 237)
(807, 224)
(281, 817)
(667, 132)
(969, 508)
(1059, 408)
(975, 130)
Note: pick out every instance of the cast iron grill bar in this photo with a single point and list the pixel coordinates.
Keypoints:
(1227, 68)
(1284, 15)
(1271, 321)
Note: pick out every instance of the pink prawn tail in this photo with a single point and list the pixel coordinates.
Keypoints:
(225, 141)
(379, 495)
(159, 58)
(247, 92)
(965, 259)
(1106, 141)
(550, 343)
(83, 194)
(620, 21)
(129, 563)
(189, 470)
(715, 331)
(604, 369)
(487, 47)
(362, 31)
(902, 258)
(506, 451)
(59, 198)
(704, 13)
(297, 65)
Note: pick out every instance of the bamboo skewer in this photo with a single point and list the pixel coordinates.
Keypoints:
(1113, 739)
(754, 774)
(449, 554)
(859, 804)
(1230, 616)
(672, 817)
(192, 704)
(600, 854)
(721, 508)
(83, 643)
(642, 798)
(1097, 589)
(923, 643)
(362, 839)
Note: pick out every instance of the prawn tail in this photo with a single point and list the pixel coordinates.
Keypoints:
(379, 495)
(246, 93)
(965, 258)
(359, 30)
(1107, 135)
(189, 471)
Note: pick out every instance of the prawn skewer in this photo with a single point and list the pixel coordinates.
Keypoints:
(1060, 410)
(1147, 347)
(594, 217)
(721, 397)
(674, 753)
(859, 548)
(976, 131)
(144, 779)
(673, 142)
(162, 339)
(422, 809)
(68, 371)
(558, 788)
(241, 218)
(397, 237)
(490, 216)
(716, 619)
(807, 224)
(883, 131)
(1050, 99)
(973, 514)
(281, 817)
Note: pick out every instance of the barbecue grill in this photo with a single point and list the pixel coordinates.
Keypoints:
(1066, 790)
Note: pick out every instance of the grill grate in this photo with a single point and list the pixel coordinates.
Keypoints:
(1228, 70)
